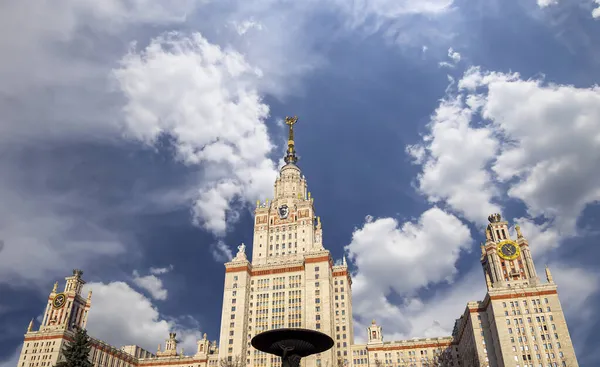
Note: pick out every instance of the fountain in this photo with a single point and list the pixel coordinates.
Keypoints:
(292, 344)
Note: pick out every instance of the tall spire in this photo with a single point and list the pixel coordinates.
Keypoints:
(290, 156)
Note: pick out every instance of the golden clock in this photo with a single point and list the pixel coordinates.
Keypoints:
(508, 250)
(59, 300)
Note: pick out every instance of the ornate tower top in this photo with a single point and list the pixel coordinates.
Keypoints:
(507, 262)
(290, 156)
(286, 227)
(495, 218)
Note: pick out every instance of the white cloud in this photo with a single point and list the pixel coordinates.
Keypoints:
(401, 259)
(205, 98)
(454, 55)
(445, 64)
(552, 133)
(52, 68)
(454, 156)
(246, 25)
(159, 271)
(152, 284)
(546, 3)
(122, 316)
(596, 11)
(221, 252)
(539, 139)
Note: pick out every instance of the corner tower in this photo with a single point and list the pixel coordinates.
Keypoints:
(67, 309)
(520, 322)
(506, 262)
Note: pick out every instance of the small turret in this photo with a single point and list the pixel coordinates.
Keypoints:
(375, 333)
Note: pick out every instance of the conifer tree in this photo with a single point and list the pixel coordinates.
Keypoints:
(76, 353)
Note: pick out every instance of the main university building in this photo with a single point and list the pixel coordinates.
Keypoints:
(292, 281)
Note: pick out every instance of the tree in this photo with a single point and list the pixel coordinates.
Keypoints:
(76, 353)
(236, 361)
(441, 359)
(378, 363)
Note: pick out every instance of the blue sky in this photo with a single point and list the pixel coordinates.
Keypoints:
(136, 137)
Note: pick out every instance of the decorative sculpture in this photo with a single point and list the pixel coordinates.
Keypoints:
(241, 255)
(518, 229)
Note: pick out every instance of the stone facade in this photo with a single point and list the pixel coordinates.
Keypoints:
(292, 281)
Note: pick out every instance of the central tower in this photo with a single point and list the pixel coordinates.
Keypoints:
(286, 227)
(292, 280)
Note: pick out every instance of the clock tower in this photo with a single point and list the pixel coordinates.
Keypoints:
(506, 262)
(67, 309)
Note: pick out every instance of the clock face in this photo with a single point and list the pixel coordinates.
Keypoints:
(283, 211)
(59, 300)
(508, 250)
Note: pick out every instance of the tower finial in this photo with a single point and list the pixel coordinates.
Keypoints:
(30, 327)
(549, 275)
(290, 156)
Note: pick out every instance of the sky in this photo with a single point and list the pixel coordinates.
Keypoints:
(136, 136)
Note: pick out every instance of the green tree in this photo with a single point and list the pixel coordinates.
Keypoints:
(76, 353)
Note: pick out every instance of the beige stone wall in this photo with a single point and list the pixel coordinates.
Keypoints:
(404, 353)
